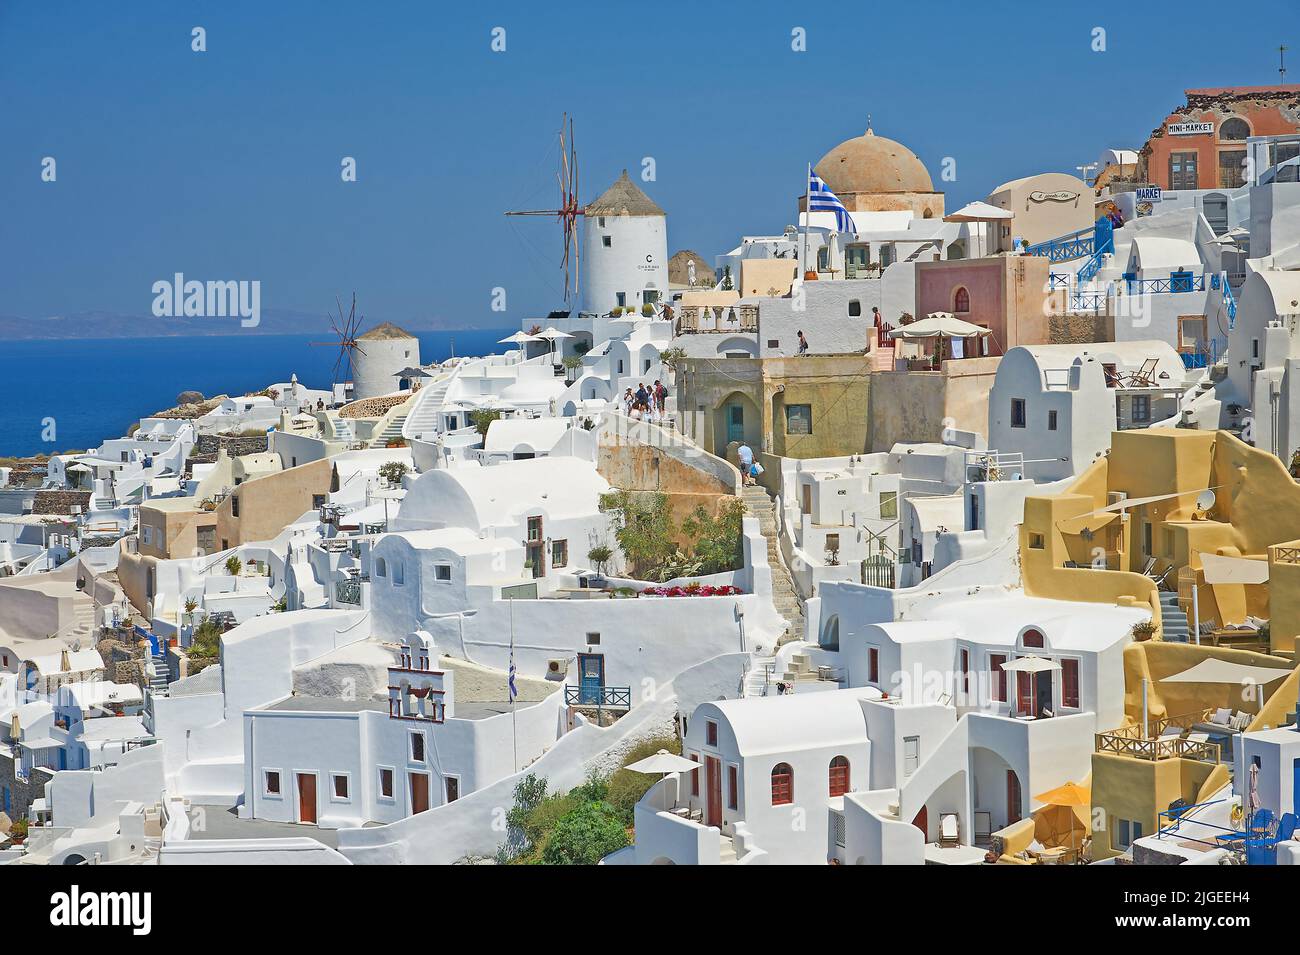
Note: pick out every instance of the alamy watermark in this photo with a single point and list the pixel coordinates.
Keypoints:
(213, 299)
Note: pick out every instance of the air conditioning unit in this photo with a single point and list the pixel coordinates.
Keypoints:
(557, 668)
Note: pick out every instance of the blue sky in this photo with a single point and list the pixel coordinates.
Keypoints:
(225, 164)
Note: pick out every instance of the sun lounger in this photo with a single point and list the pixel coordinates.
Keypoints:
(949, 830)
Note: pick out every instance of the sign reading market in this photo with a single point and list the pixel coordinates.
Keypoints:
(1190, 129)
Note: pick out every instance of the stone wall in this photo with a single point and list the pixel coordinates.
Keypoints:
(1080, 329)
(22, 792)
(123, 661)
(205, 449)
(59, 502)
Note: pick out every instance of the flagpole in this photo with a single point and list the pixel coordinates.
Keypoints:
(803, 256)
(510, 689)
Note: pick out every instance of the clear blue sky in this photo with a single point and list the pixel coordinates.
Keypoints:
(225, 164)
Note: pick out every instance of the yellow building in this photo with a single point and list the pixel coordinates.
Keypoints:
(1162, 500)
(1143, 521)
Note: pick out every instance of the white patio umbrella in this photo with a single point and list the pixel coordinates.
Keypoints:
(939, 325)
(552, 335)
(664, 762)
(981, 212)
(1030, 664)
(518, 338)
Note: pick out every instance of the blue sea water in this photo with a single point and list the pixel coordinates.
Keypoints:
(94, 389)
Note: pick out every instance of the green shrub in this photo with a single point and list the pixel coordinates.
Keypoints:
(546, 815)
(205, 644)
(585, 835)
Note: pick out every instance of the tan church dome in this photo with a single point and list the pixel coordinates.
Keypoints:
(873, 164)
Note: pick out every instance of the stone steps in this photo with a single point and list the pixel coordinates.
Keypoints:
(784, 596)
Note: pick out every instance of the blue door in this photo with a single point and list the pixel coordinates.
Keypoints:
(735, 423)
(591, 678)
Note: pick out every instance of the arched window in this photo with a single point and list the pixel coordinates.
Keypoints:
(1234, 128)
(782, 784)
(1032, 638)
(928, 214)
(961, 300)
(381, 568)
(839, 776)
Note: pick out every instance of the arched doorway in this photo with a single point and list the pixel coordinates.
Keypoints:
(830, 639)
(1215, 208)
(735, 419)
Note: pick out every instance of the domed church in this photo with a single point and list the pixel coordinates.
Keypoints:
(871, 173)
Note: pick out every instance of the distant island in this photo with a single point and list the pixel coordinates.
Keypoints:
(104, 324)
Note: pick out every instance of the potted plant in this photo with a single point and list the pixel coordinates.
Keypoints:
(600, 555)
(234, 565)
(1143, 630)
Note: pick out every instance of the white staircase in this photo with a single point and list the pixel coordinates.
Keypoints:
(756, 680)
(391, 431)
(421, 420)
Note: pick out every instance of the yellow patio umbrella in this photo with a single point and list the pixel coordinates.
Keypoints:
(1071, 794)
(1064, 817)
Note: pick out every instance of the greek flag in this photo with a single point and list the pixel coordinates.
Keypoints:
(821, 199)
(514, 691)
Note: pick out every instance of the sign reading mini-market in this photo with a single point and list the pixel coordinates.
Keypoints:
(1190, 129)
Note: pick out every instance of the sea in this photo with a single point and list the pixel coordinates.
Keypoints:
(73, 394)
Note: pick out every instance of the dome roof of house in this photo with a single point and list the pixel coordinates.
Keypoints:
(385, 330)
(624, 198)
(873, 164)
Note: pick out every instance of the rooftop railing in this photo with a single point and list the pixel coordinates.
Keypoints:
(1133, 744)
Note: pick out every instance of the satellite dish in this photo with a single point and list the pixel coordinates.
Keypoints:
(1205, 500)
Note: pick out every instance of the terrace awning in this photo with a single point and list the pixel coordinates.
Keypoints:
(1212, 670)
(1233, 570)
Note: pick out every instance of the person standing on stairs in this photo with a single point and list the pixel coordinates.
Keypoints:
(746, 457)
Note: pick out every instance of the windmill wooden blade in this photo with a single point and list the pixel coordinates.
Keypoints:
(569, 210)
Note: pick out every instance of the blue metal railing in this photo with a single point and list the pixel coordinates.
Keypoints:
(1207, 356)
(620, 696)
(1065, 247)
(1088, 301)
(1219, 283)
(1096, 240)
(1176, 282)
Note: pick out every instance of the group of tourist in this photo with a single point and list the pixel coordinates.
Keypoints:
(646, 403)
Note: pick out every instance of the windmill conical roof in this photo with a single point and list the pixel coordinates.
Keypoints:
(385, 330)
(624, 198)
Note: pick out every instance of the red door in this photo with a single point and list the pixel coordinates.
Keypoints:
(419, 792)
(1013, 797)
(307, 797)
(1026, 704)
(922, 821)
(713, 771)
